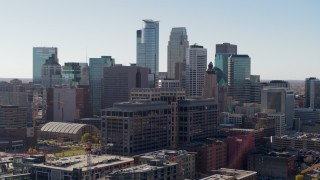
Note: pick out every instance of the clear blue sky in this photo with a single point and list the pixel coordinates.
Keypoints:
(281, 37)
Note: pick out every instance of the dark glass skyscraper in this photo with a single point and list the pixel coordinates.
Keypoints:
(96, 67)
(148, 49)
(239, 68)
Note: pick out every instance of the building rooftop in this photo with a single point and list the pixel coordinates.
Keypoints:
(69, 163)
(164, 154)
(302, 136)
(224, 173)
(68, 128)
(141, 168)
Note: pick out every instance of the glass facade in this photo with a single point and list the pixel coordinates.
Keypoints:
(72, 73)
(239, 68)
(40, 55)
(96, 66)
(177, 50)
(221, 62)
(148, 49)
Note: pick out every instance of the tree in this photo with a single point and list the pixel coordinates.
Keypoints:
(85, 137)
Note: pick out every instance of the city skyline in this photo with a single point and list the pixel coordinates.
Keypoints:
(280, 34)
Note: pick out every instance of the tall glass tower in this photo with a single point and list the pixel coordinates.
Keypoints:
(148, 49)
(223, 51)
(40, 55)
(96, 66)
(239, 70)
(177, 51)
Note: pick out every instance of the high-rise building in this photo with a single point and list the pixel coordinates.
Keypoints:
(279, 83)
(223, 51)
(148, 49)
(177, 51)
(312, 93)
(51, 73)
(210, 87)
(72, 73)
(195, 70)
(15, 132)
(136, 127)
(96, 66)
(239, 71)
(61, 104)
(40, 55)
(279, 100)
(197, 120)
(119, 80)
(226, 48)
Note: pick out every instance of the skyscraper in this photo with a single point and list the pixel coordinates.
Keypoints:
(195, 69)
(223, 51)
(279, 100)
(312, 93)
(148, 49)
(40, 55)
(51, 72)
(239, 67)
(96, 66)
(210, 87)
(177, 50)
(119, 80)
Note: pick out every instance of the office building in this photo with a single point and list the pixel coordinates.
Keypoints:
(211, 154)
(77, 167)
(299, 140)
(238, 148)
(154, 170)
(279, 83)
(61, 104)
(169, 95)
(72, 73)
(210, 87)
(14, 131)
(280, 123)
(185, 161)
(312, 93)
(40, 55)
(169, 83)
(177, 50)
(239, 71)
(279, 100)
(96, 66)
(119, 80)
(278, 165)
(195, 70)
(226, 48)
(255, 89)
(51, 73)
(223, 51)
(148, 49)
(198, 119)
(136, 127)
(232, 174)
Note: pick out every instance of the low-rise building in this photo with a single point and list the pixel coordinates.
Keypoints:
(77, 167)
(185, 161)
(210, 154)
(298, 140)
(273, 164)
(232, 174)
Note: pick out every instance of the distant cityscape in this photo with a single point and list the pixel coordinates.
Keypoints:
(202, 120)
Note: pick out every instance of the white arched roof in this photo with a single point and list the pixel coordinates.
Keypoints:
(60, 127)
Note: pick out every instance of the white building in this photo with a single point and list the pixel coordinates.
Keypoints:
(196, 65)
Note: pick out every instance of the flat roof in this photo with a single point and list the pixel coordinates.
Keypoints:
(69, 163)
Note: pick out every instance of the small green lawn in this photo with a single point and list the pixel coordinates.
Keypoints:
(70, 152)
